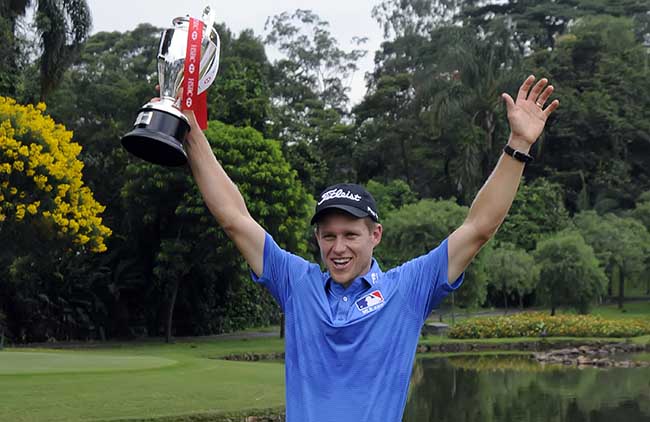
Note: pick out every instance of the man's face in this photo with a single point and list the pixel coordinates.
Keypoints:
(346, 244)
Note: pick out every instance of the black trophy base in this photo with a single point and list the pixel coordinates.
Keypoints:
(158, 137)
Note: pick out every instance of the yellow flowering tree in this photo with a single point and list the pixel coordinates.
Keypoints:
(41, 184)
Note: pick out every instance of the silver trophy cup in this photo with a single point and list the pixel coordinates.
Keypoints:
(160, 128)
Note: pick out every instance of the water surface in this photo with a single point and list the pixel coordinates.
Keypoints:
(514, 388)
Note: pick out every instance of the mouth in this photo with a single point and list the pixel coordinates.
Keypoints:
(341, 263)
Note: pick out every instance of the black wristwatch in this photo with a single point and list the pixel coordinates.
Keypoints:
(518, 155)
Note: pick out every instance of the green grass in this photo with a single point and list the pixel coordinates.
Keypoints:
(194, 384)
(630, 310)
(182, 381)
(34, 363)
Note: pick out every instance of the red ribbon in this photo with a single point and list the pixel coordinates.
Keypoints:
(192, 100)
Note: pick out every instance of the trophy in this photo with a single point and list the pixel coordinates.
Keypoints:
(160, 128)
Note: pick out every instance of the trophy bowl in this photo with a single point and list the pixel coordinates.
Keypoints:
(160, 128)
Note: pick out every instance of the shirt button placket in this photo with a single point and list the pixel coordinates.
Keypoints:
(343, 309)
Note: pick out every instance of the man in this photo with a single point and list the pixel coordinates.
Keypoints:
(352, 332)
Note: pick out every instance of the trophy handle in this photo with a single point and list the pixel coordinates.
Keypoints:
(208, 17)
(210, 58)
(209, 63)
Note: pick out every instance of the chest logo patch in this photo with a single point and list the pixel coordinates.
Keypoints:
(370, 302)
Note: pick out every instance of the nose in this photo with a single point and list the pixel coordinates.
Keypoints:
(339, 245)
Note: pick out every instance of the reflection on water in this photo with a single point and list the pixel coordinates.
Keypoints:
(517, 389)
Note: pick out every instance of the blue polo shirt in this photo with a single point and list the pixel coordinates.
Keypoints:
(349, 352)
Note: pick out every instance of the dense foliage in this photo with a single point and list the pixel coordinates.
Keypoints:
(569, 273)
(41, 184)
(423, 140)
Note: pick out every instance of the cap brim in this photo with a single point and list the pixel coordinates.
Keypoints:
(356, 212)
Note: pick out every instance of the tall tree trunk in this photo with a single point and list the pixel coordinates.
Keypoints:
(405, 162)
(170, 312)
(609, 287)
(490, 127)
(610, 269)
(521, 300)
(282, 325)
(621, 288)
(552, 309)
(453, 316)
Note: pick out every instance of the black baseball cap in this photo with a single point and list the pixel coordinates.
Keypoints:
(348, 197)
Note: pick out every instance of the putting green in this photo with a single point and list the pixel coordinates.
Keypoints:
(19, 363)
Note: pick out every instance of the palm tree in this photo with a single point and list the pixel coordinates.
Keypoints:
(62, 26)
(462, 96)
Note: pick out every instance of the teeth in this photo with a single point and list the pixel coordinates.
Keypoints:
(341, 261)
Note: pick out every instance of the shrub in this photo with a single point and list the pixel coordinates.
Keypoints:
(534, 324)
(40, 178)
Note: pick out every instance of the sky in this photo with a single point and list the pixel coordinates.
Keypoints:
(347, 19)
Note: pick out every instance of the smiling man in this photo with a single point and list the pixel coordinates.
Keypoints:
(352, 331)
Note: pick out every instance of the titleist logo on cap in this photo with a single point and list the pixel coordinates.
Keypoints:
(339, 193)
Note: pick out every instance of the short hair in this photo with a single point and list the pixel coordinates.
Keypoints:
(370, 223)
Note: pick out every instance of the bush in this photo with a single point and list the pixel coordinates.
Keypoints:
(534, 324)
(41, 181)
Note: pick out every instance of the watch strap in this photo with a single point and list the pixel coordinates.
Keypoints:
(518, 155)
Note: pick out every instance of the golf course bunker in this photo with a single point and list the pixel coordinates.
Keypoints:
(18, 363)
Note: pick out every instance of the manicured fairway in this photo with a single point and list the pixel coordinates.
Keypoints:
(186, 380)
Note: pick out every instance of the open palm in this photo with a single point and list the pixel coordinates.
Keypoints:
(527, 115)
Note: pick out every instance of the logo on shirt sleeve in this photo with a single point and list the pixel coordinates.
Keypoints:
(370, 302)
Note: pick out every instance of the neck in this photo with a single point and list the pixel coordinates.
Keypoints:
(348, 283)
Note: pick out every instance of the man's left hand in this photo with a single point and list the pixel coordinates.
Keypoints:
(527, 115)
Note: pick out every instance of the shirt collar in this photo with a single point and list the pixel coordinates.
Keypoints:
(368, 279)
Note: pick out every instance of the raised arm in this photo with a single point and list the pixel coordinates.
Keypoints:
(527, 117)
(223, 198)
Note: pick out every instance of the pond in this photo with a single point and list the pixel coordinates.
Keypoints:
(515, 388)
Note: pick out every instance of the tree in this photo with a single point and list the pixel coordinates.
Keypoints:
(48, 217)
(597, 147)
(309, 97)
(536, 25)
(432, 111)
(62, 27)
(113, 68)
(641, 209)
(391, 196)
(461, 90)
(621, 244)
(415, 229)
(510, 270)
(192, 263)
(641, 212)
(41, 186)
(240, 95)
(392, 138)
(414, 17)
(538, 209)
(569, 272)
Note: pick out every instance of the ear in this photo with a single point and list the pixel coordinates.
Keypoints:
(376, 234)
